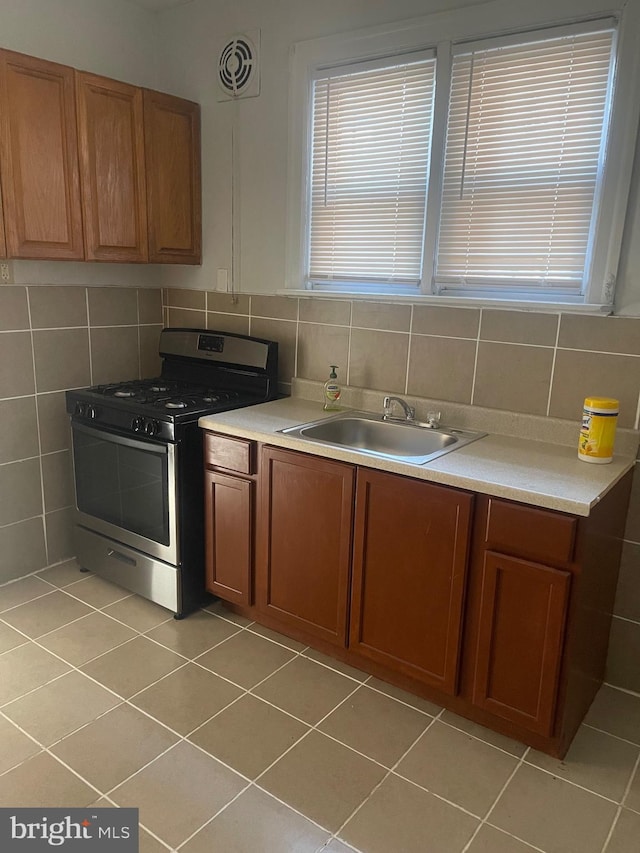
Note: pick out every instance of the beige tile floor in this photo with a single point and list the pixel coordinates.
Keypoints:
(229, 737)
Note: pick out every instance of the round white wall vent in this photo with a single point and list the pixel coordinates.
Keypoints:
(238, 71)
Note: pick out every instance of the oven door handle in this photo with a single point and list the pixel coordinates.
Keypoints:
(106, 435)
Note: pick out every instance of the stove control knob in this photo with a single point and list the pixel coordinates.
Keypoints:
(81, 409)
(92, 412)
(152, 427)
(137, 424)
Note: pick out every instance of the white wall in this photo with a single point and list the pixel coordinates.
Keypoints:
(110, 37)
(191, 36)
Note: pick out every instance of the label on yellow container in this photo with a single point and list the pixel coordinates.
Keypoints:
(598, 430)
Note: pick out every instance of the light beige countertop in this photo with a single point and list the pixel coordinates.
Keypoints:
(533, 472)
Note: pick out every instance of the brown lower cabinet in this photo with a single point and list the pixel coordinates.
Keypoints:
(520, 639)
(304, 542)
(497, 610)
(409, 575)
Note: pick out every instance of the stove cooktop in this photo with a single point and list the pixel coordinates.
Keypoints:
(203, 372)
(171, 397)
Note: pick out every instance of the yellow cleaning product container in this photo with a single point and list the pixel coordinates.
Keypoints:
(598, 430)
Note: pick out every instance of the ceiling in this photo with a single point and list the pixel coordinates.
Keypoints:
(158, 5)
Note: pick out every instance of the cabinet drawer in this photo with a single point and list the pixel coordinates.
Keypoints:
(233, 454)
(530, 532)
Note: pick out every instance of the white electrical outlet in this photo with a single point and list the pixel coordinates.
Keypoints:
(222, 281)
(6, 273)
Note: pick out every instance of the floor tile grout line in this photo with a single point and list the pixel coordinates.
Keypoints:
(527, 844)
(571, 782)
(611, 734)
(480, 740)
(621, 806)
(485, 819)
(312, 728)
(22, 603)
(386, 776)
(635, 773)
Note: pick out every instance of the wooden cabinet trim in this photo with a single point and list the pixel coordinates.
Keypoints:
(112, 168)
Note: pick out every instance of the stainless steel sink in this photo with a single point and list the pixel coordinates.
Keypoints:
(369, 433)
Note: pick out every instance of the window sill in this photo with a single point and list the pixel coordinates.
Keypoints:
(453, 301)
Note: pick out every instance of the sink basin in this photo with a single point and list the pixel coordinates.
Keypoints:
(369, 433)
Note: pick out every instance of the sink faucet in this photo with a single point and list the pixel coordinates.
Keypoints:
(387, 403)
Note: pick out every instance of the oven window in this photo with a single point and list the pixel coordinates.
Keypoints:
(125, 486)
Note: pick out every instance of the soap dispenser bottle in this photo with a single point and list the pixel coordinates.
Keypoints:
(332, 391)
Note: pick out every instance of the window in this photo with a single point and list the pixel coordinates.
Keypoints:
(494, 167)
(525, 140)
(370, 161)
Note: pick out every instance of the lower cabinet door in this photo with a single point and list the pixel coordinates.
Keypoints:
(304, 542)
(229, 536)
(410, 562)
(520, 640)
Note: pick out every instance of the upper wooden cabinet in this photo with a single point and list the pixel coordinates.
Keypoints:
(39, 159)
(95, 169)
(172, 147)
(112, 169)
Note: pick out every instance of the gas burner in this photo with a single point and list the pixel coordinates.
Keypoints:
(157, 387)
(124, 392)
(176, 404)
(219, 396)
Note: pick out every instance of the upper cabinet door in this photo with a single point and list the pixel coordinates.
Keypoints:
(111, 140)
(39, 159)
(172, 147)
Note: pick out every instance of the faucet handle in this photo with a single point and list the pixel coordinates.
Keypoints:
(433, 419)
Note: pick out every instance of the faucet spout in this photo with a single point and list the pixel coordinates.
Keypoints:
(387, 403)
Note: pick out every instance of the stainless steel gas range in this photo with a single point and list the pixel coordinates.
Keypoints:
(137, 453)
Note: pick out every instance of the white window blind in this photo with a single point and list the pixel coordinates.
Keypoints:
(523, 162)
(370, 162)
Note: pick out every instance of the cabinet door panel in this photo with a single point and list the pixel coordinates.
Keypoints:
(111, 135)
(306, 509)
(410, 559)
(229, 536)
(520, 640)
(39, 159)
(172, 147)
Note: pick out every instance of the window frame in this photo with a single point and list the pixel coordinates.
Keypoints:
(444, 31)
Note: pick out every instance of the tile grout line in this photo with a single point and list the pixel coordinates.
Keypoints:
(553, 366)
(475, 359)
(35, 401)
(621, 806)
(485, 819)
(386, 776)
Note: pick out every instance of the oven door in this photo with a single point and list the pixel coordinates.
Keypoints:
(126, 489)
